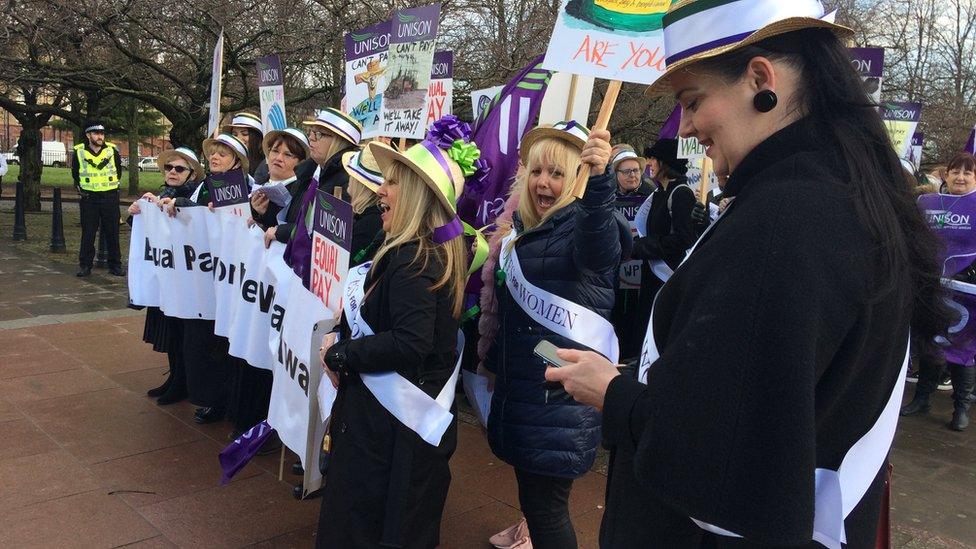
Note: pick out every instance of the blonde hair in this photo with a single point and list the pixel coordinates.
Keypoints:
(566, 158)
(418, 212)
(361, 196)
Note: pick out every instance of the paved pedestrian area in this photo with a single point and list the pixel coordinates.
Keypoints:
(88, 461)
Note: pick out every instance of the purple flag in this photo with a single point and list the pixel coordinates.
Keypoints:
(298, 252)
(234, 457)
(971, 143)
(498, 131)
(962, 334)
(952, 218)
(670, 128)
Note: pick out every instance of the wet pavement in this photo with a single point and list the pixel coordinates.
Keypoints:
(89, 461)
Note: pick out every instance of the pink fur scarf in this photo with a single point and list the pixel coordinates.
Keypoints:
(488, 324)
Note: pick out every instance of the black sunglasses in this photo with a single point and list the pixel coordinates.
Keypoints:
(177, 169)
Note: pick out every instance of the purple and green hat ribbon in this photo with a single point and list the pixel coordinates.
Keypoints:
(705, 25)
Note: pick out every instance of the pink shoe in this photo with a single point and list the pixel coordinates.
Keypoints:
(513, 537)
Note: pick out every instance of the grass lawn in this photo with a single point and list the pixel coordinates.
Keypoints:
(61, 177)
(39, 233)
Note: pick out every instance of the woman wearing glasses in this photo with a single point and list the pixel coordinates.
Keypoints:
(331, 134)
(181, 172)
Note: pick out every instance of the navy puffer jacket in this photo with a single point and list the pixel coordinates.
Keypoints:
(575, 254)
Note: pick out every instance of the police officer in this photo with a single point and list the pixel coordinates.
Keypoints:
(96, 170)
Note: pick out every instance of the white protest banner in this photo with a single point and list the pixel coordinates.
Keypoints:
(168, 253)
(901, 120)
(257, 309)
(567, 97)
(869, 63)
(294, 408)
(331, 249)
(440, 92)
(481, 99)
(271, 90)
(367, 55)
(229, 236)
(412, 40)
(611, 39)
(216, 70)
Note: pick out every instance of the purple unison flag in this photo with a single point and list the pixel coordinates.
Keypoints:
(962, 334)
(498, 132)
(670, 128)
(952, 218)
(234, 457)
(971, 143)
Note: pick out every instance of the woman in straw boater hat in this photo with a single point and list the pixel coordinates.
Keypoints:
(814, 271)
(284, 151)
(393, 425)
(204, 353)
(365, 178)
(330, 134)
(249, 129)
(558, 259)
(181, 173)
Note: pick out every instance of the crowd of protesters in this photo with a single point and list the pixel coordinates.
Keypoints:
(757, 357)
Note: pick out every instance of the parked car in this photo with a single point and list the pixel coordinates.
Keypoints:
(148, 164)
(11, 157)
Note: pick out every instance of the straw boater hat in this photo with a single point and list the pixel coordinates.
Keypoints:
(571, 132)
(186, 154)
(628, 154)
(294, 133)
(231, 142)
(362, 166)
(245, 120)
(338, 123)
(700, 29)
(443, 159)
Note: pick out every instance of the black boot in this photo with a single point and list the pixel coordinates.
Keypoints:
(159, 391)
(929, 374)
(177, 390)
(963, 379)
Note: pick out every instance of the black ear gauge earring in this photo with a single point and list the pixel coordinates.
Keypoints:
(765, 101)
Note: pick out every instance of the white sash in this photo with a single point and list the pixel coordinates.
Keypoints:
(561, 316)
(426, 416)
(837, 492)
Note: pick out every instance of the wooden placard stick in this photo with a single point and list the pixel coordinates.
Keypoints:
(403, 144)
(281, 464)
(606, 109)
(572, 97)
(337, 192)
(706, 180)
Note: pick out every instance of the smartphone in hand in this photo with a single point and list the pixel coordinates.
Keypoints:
(547, 352)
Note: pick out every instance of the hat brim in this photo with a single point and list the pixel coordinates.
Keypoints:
(662, 85)
(208, 145)
(331, 128)
(346, 160)
(386, 156)
(228, 127)
(544, 132)
(170, 154)
(275, 134)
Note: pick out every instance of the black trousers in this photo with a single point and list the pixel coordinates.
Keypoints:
(545, 504)
(99, 211)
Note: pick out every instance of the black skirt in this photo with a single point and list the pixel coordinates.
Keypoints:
(250, 394)
(205, 356)
(161, 331)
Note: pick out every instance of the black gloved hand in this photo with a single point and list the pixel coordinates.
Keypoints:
(699, 214)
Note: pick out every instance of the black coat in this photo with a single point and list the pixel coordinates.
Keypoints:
(372, 452)
(574, 254)
(366, 229)
(627, 312)
(777, 354)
